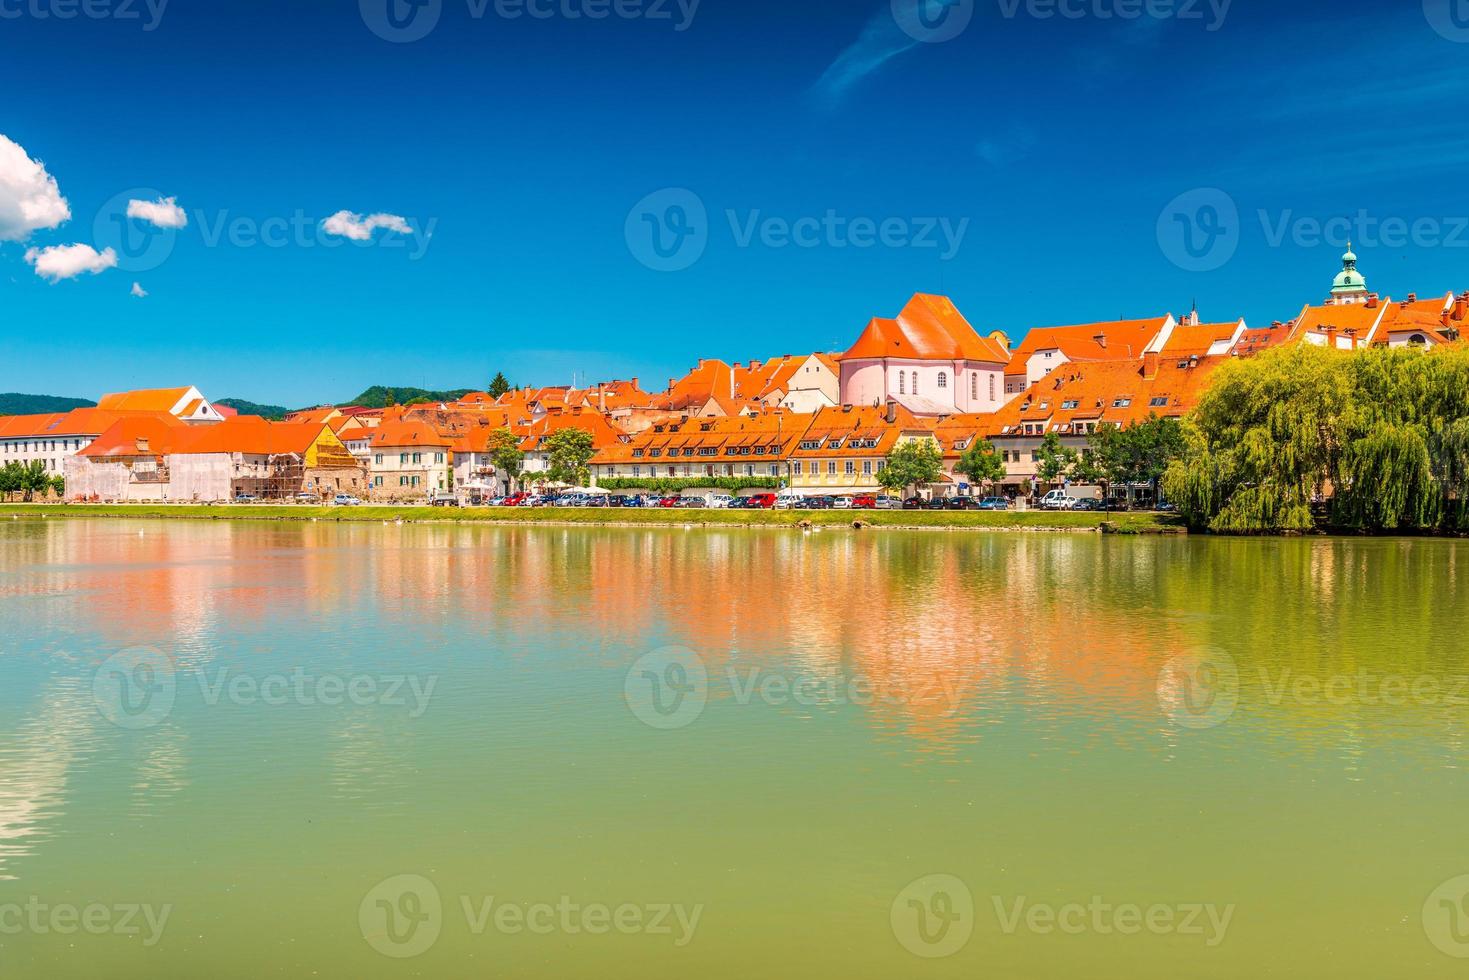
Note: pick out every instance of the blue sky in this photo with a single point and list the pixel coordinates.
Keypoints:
(621, 195)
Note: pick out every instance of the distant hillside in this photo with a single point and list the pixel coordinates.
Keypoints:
(380, 397)
(251, 408)
(12, 403)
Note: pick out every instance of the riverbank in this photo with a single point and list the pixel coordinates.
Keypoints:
(1129, 523)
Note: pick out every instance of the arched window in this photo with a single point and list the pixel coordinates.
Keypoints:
(902, 383)
(973, 384)
(943, 379)
(915, 382)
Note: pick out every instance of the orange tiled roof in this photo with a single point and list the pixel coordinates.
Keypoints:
(77, 422)
(1109, 340)
(251, 435)
(928, 328)
(858, 431)
(1188, 339)
(1117, 392)
(398, 433)
(776, 432)
(151, 434)
(144, 400)
(603, 433)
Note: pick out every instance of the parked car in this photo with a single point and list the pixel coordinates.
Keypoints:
(532, 500)
(814, 503)
(761, 501)
(885, 502)
(245, 498)
(308, 498)
(668, 501)
(841, 501)
(994, 503)
(443, 500)
(689, 502)
(1058, 500)
(345, 500)
(961, 503)
(914, 503)
(864, 501)
(720, 501)
(788, 500)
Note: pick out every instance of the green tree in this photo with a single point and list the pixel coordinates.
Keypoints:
(499, 385)
(911, 464)
(1139, 453)
(568, 451)
(10, 479)
(981, 463)
(505, 454)
(1055, 461)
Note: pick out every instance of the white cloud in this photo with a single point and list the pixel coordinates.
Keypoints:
(164, 212)
(29, 197)
(58, 262)
(139, 291)
(347, 224)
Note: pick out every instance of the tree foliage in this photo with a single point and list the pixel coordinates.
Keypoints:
(505, 453)
(29, 479)
(1054, 461)
(1374, 440)
(500, 385)
(911, 464)
(568, 453)
(981, 463)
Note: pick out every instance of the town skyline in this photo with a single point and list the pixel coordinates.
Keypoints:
(828, 184)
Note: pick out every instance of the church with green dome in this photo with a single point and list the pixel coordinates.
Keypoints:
(1349, 286)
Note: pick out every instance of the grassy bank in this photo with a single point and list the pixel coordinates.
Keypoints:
(980, 520)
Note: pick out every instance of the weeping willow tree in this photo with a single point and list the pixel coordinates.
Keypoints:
(1382, 435)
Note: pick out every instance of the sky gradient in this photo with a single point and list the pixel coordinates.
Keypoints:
(590, 198)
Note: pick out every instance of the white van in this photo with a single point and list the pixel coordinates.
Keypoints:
(1058, 500)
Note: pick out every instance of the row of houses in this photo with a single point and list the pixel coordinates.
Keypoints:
(815, 423)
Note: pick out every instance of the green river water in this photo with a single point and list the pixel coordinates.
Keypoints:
(240, 749)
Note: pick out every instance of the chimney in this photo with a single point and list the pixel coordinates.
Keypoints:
(1412, 297)
(601, 397)
(1101, 340)
(892, 412)
(1461, 306)
(1331, 337)
(634, 382)
(1371, 301)
(1150, 365)
(671, 383)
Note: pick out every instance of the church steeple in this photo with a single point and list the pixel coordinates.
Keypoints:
(1349, 285)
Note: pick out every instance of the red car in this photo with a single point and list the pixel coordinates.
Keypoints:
(864, 501)
(760, 501)
(669, 502)
(515, 499)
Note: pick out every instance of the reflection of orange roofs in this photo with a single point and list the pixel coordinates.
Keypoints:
(928, 328)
